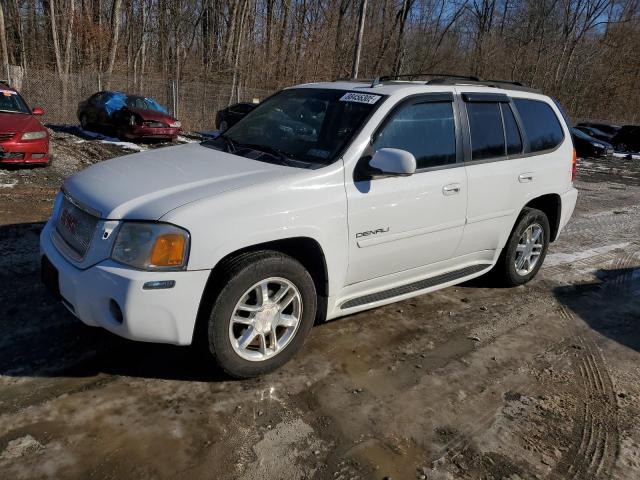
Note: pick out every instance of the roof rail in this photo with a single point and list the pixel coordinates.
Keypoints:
(427, 74)
(486, 83)
(510, 82)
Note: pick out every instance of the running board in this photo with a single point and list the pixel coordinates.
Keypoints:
(414, 287)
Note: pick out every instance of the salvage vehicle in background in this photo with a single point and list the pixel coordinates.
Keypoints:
(608, 128)
(595, 133)
(228, 117)
(23, 139)
(587, 146)
(131, 117)
(327, 200)
(627, 139)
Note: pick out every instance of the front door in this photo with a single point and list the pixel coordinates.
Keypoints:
(402, 223)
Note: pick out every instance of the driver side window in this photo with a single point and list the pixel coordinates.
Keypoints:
(427, 130)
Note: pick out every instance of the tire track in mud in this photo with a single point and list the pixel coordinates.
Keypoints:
(594, 455)
(598, 429)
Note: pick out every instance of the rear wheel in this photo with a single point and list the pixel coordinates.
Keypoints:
(264, 309)
(84, 121)
(525, 250)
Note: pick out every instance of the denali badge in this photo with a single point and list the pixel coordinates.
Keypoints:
(372, 232)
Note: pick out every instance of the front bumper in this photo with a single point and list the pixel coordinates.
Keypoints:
(142, 131)
(161, 316)
(27, 151)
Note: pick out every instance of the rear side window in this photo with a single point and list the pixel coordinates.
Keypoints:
(541, 126)
(427, 130)
(511, 131)
(487, 135)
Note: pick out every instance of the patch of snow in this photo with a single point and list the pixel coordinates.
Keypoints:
(11, 184)
(562, 258)
(187, 140)
(21, 446)
(125, 145)
(635, 156)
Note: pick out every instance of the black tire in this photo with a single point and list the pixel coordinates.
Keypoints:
(236, 277)
(84, 122)
(505, 272)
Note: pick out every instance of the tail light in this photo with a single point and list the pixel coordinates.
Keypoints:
(574, 165)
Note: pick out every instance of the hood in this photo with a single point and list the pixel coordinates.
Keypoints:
(152, 115)
(18, 122)
(145, 186)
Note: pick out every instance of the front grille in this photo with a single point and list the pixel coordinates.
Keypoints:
(76, 227)
(11, 155)
(6, 136)
(155, 124)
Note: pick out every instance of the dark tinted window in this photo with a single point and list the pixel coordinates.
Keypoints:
(487, 135)
(425, 129)
(514, 142)
(540, 124)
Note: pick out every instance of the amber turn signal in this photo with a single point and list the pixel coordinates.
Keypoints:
(168, 250)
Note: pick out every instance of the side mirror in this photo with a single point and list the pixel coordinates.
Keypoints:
(37, 111)
(391, 162)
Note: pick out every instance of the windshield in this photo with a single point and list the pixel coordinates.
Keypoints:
(11, 102)
(144, 103)
(302, 125)
(581, 134)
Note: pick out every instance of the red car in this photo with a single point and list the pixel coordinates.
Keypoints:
(23, 139)
(131, 117)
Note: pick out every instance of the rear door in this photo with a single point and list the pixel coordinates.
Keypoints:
(509, 160)
(402, 223)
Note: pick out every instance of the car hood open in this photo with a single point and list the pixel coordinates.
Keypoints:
(147, 185)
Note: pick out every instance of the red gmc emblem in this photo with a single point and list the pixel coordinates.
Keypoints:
(69, 221)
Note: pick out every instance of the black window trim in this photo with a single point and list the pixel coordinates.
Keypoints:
(416, 99)
(560, 119)
(526, 147)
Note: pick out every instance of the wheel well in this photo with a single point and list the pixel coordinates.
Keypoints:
(551, 205)
(306, 250)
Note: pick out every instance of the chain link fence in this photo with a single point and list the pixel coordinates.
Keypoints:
(193, 102)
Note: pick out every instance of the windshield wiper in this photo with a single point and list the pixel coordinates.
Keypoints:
(283, 156)
(231, 145)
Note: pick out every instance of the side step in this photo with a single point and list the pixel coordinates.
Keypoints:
(414, 287)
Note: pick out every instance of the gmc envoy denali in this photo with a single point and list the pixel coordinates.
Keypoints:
(326, 200)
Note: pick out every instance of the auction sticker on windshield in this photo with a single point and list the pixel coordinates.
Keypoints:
(360, 98)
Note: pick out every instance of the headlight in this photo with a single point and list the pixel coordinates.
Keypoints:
(151, 246)
(34, 135)
(175, 125)
(598, 145)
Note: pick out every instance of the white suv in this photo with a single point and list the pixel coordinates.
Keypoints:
(326, 200)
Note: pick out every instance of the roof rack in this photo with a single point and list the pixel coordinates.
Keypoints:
(439, 75)
(486, 83)
(446, 79)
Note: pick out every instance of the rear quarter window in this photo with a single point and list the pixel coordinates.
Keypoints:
(540, 124)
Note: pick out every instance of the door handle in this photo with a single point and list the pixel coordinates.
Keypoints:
(525, 177)
(451, 189)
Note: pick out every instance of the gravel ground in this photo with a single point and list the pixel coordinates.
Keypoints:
(469, 382)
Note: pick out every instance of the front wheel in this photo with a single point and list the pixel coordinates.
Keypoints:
(263, 311)
(525, 250)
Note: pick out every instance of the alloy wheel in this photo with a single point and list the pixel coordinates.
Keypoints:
(265, 319)
(529, 249)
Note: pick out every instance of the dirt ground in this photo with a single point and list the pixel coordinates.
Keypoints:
(541, 381)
